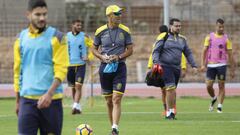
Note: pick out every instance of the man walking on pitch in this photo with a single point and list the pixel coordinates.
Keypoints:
(217, 50)
(116, 45)
(40, 65)
(164, 29)
(167, 62)
(78, 44)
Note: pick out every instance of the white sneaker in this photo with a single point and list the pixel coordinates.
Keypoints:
(210, 108)
(219, 110)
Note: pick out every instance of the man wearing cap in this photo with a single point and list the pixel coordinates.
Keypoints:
(116, 45)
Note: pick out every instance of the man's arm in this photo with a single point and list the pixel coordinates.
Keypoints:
(17, 68)
(156, 52)
(128, 52)
(89, 43)
(203, 59)
(60, 64)
(232, 63)
(230, 58)
(204, 53)
(46, 99)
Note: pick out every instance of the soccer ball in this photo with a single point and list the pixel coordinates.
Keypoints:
(84, 129)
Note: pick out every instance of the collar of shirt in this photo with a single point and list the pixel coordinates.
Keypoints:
(35, 32)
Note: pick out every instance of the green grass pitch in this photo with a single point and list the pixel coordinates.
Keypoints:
(142, 117)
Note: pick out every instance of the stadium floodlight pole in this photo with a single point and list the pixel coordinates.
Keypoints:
(166, 12)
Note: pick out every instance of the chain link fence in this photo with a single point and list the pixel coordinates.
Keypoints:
(143, 17)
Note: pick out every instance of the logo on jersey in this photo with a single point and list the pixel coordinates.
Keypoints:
(121, 36)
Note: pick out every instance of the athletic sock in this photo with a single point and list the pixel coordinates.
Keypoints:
(219, 105)
(115, 126)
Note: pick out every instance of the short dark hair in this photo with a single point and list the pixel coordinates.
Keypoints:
(32, 4)
(163, 28)
(220, 20)
(77, 21)
(174, 20)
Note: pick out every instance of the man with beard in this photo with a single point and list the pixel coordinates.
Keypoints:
(167, 61)
(78, 44)
(116, 45)
(164, 29)
(40, 65)
(216, 52)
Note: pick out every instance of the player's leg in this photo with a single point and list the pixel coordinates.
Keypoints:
(116, 112)
(71, 83)
(106, 81)
(210, 78)
(71, 80)
(169, 80)
(28, 121)
(79, 79)
(170, 101)
(119, 84)
(164, 101)
(221, 84)
(51, 118)
(109, 103)
(177, 75)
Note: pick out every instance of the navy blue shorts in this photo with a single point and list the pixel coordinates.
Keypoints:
(48, 120)
(113, 82)
(76, 74)
(171, 77)
(220, 72)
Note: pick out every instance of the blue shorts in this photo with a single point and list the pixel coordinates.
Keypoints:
(220, 72)
(113, 82)
(171, 77)
(76, 74)
(48, 120)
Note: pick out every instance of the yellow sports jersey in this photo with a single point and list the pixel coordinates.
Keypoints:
(207, 42)
(150, 61)
(89, 43)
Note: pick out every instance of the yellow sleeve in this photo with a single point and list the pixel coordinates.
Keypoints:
(183, 62)
(17, 64)
(206, 41)
(60, 57)
(89, 43)
(229, 45)
(150, 60)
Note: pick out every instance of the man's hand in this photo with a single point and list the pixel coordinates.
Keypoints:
(157, 69)
(203, 68)
(44, 101)
(195, 71)
(105, 58)
(114, 58)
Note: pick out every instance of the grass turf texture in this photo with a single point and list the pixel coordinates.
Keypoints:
(142, 116)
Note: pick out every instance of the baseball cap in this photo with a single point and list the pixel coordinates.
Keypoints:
(113, 9)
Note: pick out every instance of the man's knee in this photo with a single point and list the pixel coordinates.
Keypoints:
(221, 85)
(209, 85)
(78, 86)
(117, 99)
(109, 101)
